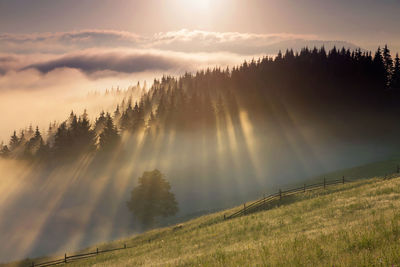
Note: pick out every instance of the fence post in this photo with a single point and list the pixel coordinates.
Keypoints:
(244, 208)
(324, 182)
(33, 264)
(264, 203)
(65, 257)
(304, 189)
(224, 217)
(97, 250)
(125, 243)
(280, 194)
(343, 179)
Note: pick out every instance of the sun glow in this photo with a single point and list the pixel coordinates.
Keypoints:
(197, 4)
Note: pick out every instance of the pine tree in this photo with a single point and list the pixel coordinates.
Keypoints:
(4, 151)
(29, 132)
(388, 63)
(86, 140)
(32, 146)
(395, 83)
(125, 121)
(379, 68)
(100, 122)
(38, 135)
(279, 57)
(109, 138)
(117, 113)
(43, 151)
(22, 139)
(61, 141)
(14, 141)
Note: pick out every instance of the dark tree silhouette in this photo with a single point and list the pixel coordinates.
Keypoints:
(395, 84)
(152, 198)
(34, 143)
(109, 138)
(14, 141)
(4, 151)
(388, 62)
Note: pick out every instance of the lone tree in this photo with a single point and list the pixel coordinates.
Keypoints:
(152, 198)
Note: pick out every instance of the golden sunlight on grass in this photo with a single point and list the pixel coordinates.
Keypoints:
(328, 227)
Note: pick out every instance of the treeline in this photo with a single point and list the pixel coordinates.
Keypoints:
(313, 79)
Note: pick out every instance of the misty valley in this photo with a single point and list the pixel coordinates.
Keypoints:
(220, 136)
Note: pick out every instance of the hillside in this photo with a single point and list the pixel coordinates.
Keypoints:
(355, 224)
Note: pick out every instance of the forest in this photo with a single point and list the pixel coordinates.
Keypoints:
(320, 86)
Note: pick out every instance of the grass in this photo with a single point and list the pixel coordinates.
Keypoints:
(364, 171)
(356, 224)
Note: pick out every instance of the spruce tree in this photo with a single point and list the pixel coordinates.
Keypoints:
(86, 140)
(395, 83)
(14, 141)
(379, 69)
(388, 63)
(109, 138)
(4, 151)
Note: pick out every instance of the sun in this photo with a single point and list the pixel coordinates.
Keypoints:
(197, 4)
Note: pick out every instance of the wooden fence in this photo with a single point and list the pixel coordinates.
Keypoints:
(75, 257)
(261, 204)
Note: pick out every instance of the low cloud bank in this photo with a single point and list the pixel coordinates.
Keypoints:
(239, 43)
(182, 41)
(92, 51)
(112, 61)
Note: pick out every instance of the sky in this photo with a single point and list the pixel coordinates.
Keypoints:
(55, 50)
(365, 22)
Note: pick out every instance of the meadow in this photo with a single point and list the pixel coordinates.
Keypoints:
(355, 224)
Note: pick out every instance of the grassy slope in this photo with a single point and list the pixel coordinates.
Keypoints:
(355, 224)
(369, 170)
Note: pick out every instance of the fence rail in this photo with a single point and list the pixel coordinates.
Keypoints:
(75, 257)
(262, 203)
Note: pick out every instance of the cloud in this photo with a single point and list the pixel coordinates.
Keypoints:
(121, 62)
(180, 41)
(110, 62)
(7, 62)
(240, 43)
(60, 42)
(109, 52)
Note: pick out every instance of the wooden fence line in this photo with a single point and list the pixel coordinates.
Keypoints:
(261, 203)
(75, 257)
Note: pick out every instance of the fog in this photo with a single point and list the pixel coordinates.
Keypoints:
(56, 210)
(31, 98)
(40, 88)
